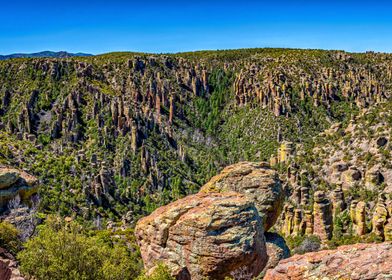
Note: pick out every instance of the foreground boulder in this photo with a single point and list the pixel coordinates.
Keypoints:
(211, 235)
(258, 182)
(359, 261)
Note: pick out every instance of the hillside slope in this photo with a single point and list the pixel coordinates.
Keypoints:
(117, 135)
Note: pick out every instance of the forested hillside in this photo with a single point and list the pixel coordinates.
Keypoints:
(108, 139)
(127, 132)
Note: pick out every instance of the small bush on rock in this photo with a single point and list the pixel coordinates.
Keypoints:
(309, 244)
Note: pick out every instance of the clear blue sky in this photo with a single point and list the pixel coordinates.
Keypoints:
(171, 26)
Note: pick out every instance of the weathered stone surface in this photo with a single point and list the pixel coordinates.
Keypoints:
(5, 272)
(373, 178)
(277, 250)
(388, 230)
(308, 221)
(359, 261)
(338, 201)
(380, 218)
(8, 177)
(288, 219)
(350, 177)
(16, 182)
(205, 235)
(258, 182)
(322, 215)
(8, 267)
(298, 224)
(359, 220)
(285, 151)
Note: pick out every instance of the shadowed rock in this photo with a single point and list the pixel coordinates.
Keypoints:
(277, 249)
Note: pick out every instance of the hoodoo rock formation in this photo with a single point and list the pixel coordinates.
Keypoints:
(213, 235)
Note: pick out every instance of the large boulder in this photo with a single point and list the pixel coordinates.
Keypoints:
(258, 182)
(359, 261)
(211, 235)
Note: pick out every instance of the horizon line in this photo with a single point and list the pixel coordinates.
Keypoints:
(196, 51)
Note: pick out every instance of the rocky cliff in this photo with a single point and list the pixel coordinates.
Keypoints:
(123, 130)
(339, 184)
(112, 138)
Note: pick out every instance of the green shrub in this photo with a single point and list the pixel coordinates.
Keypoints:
(67, 251)
(161, 272)
(9, 237)
(310, 243)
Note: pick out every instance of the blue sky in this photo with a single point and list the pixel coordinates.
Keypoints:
(172, 26)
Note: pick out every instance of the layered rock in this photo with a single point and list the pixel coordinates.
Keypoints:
(272, 87)
(358, 217)
(322, 214)
(338, 201)
(288, 220)
(16, 183)
(258, 182)
(359, 261)
(380, 219)
(8, 267)
(205, 235)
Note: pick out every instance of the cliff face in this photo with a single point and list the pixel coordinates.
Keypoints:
(125, 133)
(283, 86)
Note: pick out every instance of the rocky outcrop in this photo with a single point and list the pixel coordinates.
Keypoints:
(8, 177)
(338, 201)
(358, 217)
(322, 213)
(16, 183)
(8, 267)
(272, 87)
(288, 219)
(380, 217)
(211, 235)
(359, 261)
(258, 182)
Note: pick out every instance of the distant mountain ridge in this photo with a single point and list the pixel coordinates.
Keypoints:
(61, 54)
